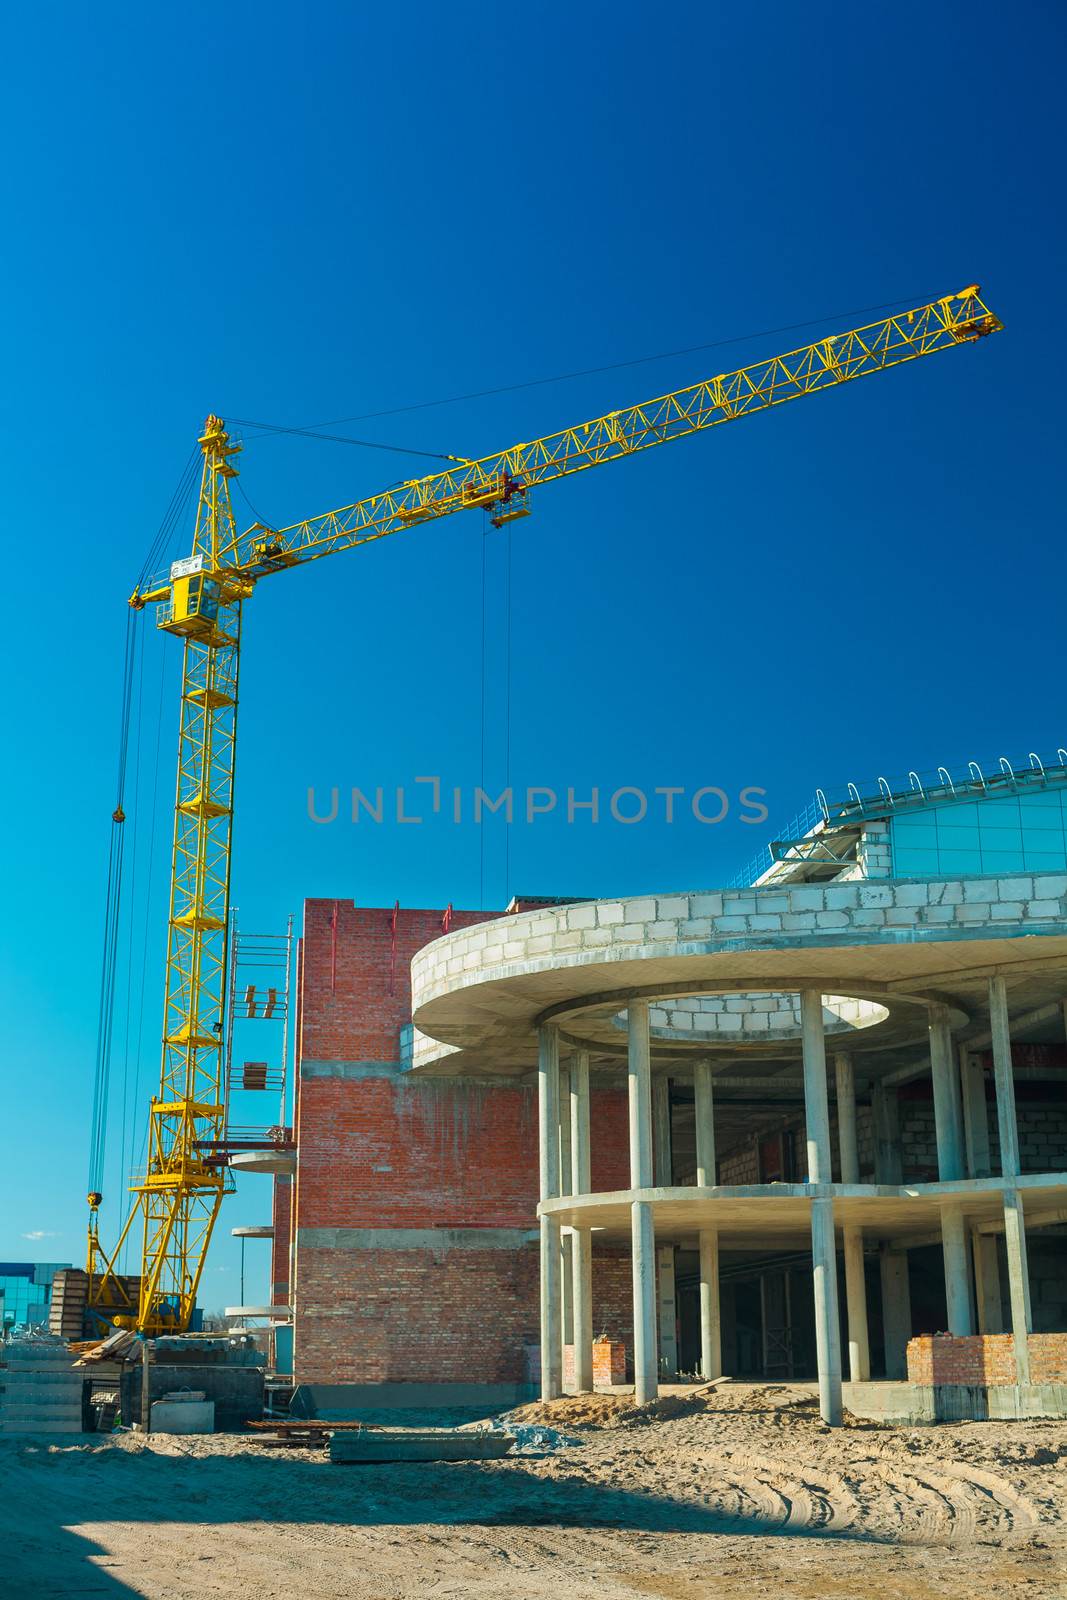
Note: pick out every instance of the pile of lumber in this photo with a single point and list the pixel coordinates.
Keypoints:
(121, 1346)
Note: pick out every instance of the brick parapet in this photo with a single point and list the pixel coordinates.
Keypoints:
(984, 1359)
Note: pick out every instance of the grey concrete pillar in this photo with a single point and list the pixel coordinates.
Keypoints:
(975, 1116)
(948, 1129)
(885, 1107)
(847, 1142)
(703, 1095)
(823, 1247)
(1014, 1218)
(639, 1084)
(827, 1323)
(667, 1311)
(582, 1241)
(1007, 1125)
(548, 1160)
(816, 1105)
(710, 1314)
(957, 1271)
(662, 1157)
(581, 1182)
(896, 1311)
(1018, 1281)
(859, 1349)
(948, 1119)
(986, 1260)
(565, 1187)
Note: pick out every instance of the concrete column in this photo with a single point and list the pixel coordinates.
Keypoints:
(859, 1350)
(827, 1323)
(646, 1364)
(986, 1260)
(548, 1154)
(710, 1315)
(975, 1116)
(566, 1244)
(948, 1128)
(957, 1271)
(1014, 1219)
(667, 1309)
(582, 1245)
(703, 1095)
(1018, 1281)
(1002, 1076)
(816, 1106)
(948, 1120)
(582, 1270)
(823, 1248)
(896, 1311)
(663, 1164)
(847, 1142)
(885, 1106)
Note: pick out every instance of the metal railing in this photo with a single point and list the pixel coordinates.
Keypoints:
(883, 796)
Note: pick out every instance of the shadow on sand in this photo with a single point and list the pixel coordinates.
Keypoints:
(52, 1491)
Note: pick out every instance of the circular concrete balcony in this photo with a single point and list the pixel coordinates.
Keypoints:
(742, 990)
(271, 1312)
(275, 1163)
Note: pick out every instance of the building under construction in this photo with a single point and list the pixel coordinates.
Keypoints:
(811, 1126)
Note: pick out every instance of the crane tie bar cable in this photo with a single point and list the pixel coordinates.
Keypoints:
(337, 438)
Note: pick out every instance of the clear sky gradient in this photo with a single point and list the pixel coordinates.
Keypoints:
(304, 215)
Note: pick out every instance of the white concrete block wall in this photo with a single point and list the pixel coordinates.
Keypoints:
(650, 926)
(40, 1389)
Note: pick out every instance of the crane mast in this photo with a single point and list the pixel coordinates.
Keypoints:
(178, 1197)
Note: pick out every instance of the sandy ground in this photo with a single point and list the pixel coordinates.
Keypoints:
(732, 1495)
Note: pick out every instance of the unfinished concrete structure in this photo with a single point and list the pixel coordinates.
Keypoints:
(837, 1090)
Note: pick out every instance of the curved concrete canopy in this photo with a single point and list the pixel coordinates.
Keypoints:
(275, 1163)
(757, 1018)
(901, 945)
(778, 1215)
(258, 1311)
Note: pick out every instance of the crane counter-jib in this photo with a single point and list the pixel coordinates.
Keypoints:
(201, 600)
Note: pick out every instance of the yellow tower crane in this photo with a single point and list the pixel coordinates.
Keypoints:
(201, 600)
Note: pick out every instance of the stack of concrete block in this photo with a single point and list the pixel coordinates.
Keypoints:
(41, 1388)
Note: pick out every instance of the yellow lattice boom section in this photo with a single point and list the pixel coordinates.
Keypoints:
(500, 483)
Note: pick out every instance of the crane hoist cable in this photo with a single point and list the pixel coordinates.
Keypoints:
(612, 366)
(112, 914)
(113, 895)
(336, 438)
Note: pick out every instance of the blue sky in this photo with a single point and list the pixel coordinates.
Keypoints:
(297, 217)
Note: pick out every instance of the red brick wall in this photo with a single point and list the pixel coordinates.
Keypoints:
(985, 1359)
(609, 1363)
(396, 1153)
(355, 982)
(390, 1151)
(409, 1316)
(281, 1215)
(609, 1138)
